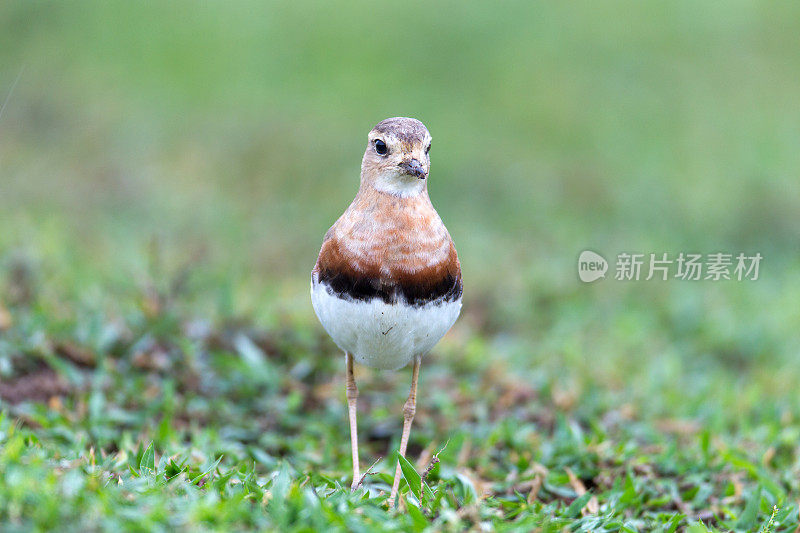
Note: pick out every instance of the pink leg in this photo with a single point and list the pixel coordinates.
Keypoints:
(352, 396)
(409, 410)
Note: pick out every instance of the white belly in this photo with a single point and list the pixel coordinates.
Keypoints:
(381, 335)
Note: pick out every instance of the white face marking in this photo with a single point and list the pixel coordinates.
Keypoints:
(398, 184)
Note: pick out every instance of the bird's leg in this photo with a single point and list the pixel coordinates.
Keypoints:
(352, 396)
(409, 410)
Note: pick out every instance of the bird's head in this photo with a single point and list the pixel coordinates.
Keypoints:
(397, 158)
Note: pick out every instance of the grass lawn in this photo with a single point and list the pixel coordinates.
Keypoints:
(167, 173)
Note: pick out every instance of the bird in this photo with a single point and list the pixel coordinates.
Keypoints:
(387, 283)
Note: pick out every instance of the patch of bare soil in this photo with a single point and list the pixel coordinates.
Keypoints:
(38, 386)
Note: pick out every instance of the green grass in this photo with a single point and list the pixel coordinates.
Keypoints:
(167, 174)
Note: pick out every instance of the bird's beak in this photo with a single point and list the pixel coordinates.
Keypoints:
(414, 167)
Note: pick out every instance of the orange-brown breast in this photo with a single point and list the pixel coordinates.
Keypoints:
(391, 248)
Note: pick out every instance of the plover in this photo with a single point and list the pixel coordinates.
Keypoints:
(387, 283)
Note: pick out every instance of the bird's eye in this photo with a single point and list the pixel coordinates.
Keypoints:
(380, 147)
(428, 149)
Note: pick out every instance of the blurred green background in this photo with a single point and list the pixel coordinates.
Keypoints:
(241, 126)
(231, 134)
(225, 138)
